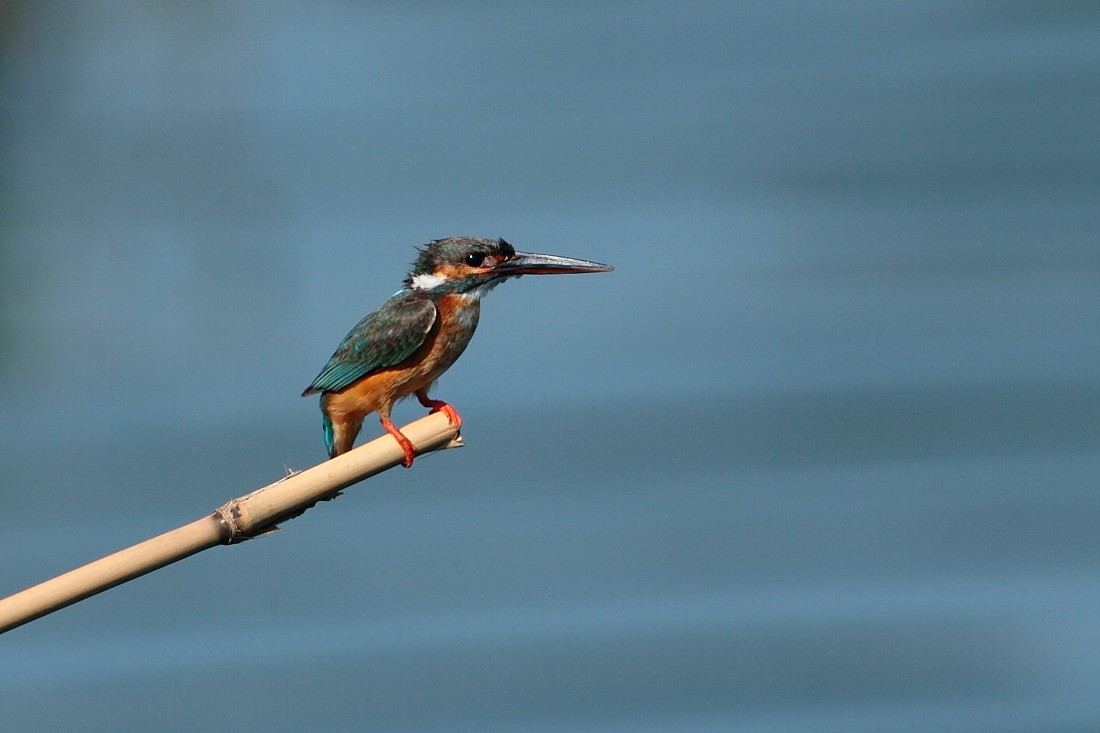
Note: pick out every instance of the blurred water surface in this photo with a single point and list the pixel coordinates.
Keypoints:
(820, 454)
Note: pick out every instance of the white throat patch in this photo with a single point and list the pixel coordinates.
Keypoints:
(481, 290)
(426, 281)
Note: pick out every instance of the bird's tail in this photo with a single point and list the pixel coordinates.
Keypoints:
(340, 430)
(330, 437)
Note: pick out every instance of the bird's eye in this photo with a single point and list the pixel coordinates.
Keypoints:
(474, 259)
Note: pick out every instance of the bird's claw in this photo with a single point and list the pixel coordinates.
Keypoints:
(450, 412)
(440, 406)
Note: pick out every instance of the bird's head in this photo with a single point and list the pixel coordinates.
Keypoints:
(469, 265)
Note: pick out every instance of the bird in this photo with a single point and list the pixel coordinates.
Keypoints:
(402, 348)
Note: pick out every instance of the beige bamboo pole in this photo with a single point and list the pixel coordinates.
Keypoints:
(238, 520)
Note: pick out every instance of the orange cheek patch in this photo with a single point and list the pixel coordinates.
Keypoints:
(451, 272)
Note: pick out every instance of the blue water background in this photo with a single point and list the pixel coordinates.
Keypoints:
(822, 454)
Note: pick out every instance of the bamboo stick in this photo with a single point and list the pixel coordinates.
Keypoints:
(236, 521)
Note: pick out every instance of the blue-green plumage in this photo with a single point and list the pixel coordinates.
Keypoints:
(383, 339)
(330, 437)
(404, 346)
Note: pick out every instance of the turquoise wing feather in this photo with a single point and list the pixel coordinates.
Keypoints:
(383, 339)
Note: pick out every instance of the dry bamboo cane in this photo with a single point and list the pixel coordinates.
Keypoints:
(238, 520)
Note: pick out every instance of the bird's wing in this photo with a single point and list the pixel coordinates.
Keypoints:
(383, 339)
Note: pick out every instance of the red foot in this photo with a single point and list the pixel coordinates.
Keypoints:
(405, 443)
(440, 406)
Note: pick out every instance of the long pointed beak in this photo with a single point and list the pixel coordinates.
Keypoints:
(533, 263)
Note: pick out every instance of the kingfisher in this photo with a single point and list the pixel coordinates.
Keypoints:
(402, 348)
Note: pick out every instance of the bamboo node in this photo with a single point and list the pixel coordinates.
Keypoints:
(227, 515)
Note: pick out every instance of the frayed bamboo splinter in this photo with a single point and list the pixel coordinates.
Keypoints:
(241, 519)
